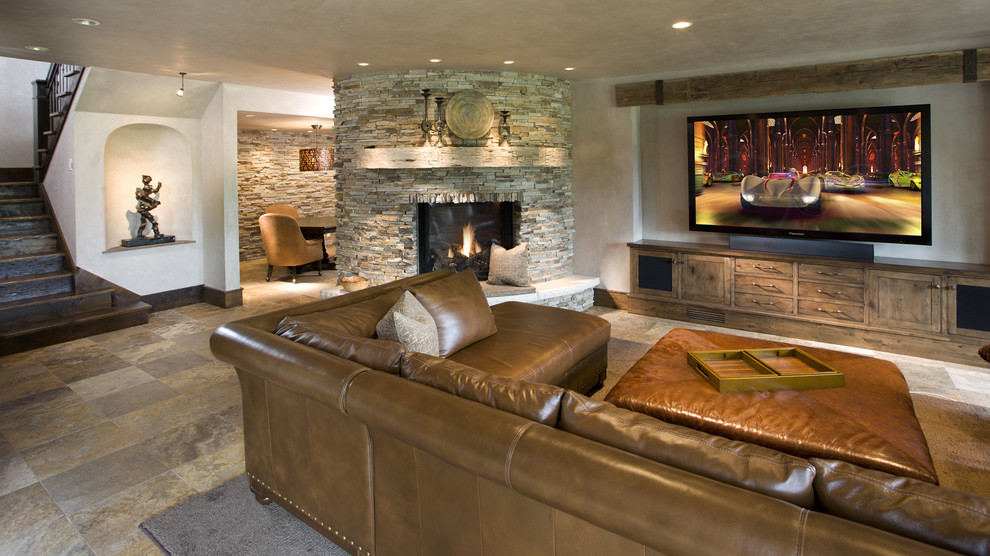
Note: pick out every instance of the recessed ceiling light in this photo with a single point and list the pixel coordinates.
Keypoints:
(85, 21)
(274, 129)
(682, 25)
(435, 60)
(507, 62)
(362, 64)
(37, 48)
(248, 115)
(568, 69)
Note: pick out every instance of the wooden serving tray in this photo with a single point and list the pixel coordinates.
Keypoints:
(745, 370)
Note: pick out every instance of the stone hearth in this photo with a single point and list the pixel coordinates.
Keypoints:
(385, 166)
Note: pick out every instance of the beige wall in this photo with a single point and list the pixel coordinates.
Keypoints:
(630, 170)
(17, 110)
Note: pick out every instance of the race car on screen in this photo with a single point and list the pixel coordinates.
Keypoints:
(782, 190)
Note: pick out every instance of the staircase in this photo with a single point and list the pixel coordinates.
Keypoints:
(41, 300)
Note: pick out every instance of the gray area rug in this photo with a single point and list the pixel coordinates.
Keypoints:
(228, 520)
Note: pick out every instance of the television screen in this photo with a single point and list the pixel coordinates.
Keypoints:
(856, 174)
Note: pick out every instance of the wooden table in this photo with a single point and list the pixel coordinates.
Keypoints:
(319, 226)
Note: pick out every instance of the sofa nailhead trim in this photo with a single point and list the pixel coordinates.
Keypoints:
(335, 532)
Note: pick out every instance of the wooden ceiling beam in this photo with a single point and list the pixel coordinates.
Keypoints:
(955, 66)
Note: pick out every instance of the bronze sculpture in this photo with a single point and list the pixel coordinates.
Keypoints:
(145, 205)
(146, 202)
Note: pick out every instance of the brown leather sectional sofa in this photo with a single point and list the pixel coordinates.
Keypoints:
(494, 449)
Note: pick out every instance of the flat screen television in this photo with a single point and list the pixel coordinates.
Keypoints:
(860, 174)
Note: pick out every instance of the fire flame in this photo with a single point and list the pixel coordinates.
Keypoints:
(470, 244)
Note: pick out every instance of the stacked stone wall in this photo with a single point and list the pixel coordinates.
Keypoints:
(268, 173)
(376, 207)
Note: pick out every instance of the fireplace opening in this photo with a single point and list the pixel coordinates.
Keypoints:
(459, 235)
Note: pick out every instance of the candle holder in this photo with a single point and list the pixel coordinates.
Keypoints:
(437, 125)
(504, 129)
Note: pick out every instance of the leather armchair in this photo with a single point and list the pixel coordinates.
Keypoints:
(287, 210)
(285, 245)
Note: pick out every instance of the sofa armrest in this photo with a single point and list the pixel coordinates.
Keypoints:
(312, 373)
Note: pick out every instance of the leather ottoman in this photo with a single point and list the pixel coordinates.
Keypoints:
(869, 422)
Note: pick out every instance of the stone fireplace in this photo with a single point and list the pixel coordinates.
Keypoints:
(459, 236)
(386, 166)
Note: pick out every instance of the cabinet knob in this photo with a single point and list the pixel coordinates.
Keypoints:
(938, 286)
(823, 273)
(823, 292)
(764, 268)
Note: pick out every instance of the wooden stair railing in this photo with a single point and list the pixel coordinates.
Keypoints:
(53, 98)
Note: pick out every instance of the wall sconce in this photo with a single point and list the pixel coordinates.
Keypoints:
(504, 129)
(438, 125)
(315, 159)
(182, 87)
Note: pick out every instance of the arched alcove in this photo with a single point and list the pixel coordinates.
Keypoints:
(158, 151)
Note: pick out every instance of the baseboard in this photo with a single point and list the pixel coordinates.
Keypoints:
(611, 299)
(175, 298)
(225, 300)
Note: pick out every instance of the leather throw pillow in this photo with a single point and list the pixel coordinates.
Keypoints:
(459, 308)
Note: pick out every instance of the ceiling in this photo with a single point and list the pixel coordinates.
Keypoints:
(301, 45)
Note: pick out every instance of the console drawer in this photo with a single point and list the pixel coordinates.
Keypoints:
(764, 285)
(827, 291)
(764, 268)
(831, 273)
(831, 311)
(765, 303)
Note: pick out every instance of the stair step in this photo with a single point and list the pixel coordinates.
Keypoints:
(16, 174)
(18, 190)
(22, 207)
(20, 288)
(29, 312)
(28, 244)
(11, 267)
(72, 327)
(23, 225)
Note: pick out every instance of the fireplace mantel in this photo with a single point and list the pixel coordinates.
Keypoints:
(463, 157)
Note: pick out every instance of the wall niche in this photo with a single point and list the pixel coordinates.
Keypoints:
(157, 151)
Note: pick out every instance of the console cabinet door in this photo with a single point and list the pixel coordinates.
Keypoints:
(705, 279)
(968, 306)
(654, 274)
(906, 301)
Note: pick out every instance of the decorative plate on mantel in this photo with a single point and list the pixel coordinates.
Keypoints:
(469, 115)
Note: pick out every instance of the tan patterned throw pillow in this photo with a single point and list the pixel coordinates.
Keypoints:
(417, 335)
(417, 331)
(509, 266)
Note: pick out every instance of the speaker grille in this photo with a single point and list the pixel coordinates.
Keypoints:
(712, 316)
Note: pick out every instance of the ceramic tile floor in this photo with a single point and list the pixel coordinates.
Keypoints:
(99, 434)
